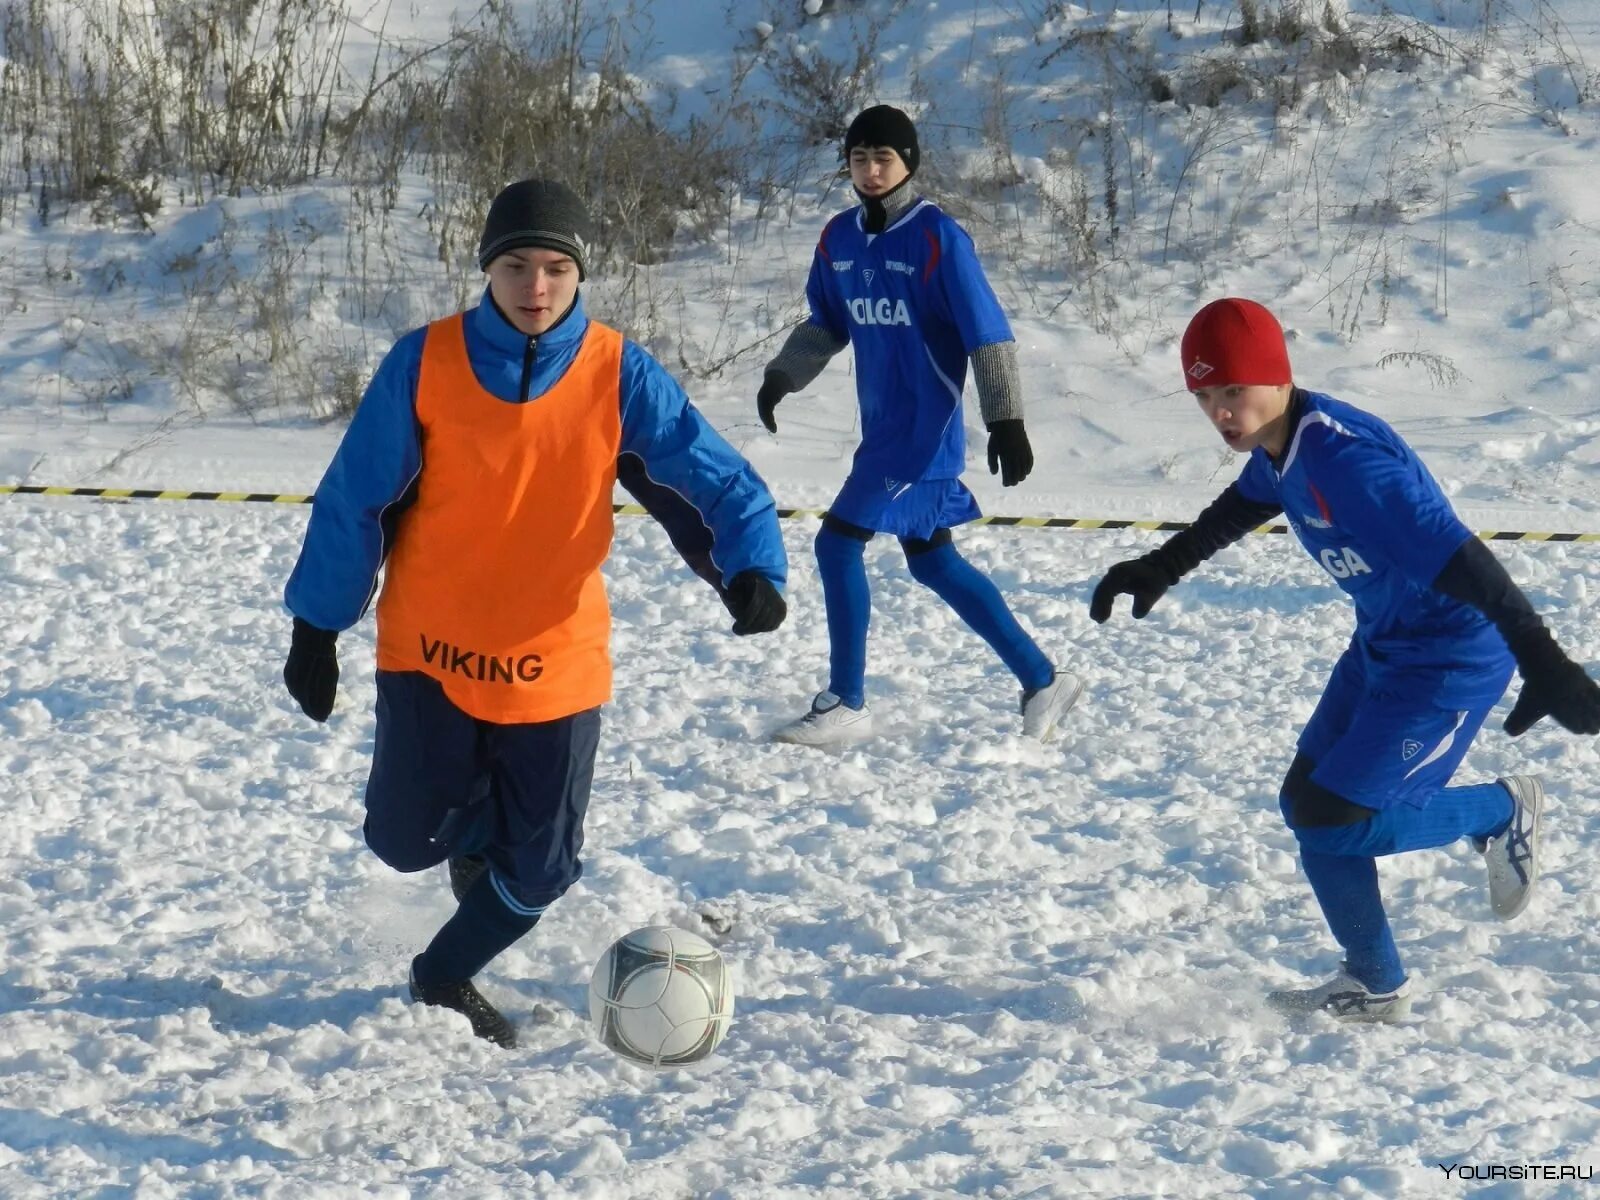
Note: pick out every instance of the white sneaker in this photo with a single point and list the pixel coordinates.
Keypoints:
(1043, 707)
(1346, 998)
(1513, 857)
(830, 722)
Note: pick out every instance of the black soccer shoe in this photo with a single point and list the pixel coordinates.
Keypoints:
(488, 1022)
(464, 872)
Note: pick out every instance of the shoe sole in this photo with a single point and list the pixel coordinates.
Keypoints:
(799, 739)
(1288, 1004)
(1392, 1016)
(1528, 793)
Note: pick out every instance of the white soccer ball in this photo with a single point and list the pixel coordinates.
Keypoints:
(661, 996)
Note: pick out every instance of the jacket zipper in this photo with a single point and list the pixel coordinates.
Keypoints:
(527, 369)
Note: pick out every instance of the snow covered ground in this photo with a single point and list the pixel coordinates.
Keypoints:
(968, 965)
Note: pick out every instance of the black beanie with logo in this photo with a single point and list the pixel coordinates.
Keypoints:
(885, 125)
(537, 212)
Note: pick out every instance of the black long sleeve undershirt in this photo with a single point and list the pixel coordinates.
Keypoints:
(1475, 577)
(1221, 523)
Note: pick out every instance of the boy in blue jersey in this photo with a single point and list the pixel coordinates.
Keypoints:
(1439, 626)
(899, 281)
(477, 476)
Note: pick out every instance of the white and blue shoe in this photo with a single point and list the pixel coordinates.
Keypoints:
(1346, 998)
(1513, 857)
(830, 722)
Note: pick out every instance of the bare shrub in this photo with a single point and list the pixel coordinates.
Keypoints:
(1211, 81)
(119, 107)
(817, 87)
(104, 97)
(561, 98)
(1442, 372)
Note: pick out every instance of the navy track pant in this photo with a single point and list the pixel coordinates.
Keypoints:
(445, 784)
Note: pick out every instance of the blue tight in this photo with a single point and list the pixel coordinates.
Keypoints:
(1341, 863)
(937, 565)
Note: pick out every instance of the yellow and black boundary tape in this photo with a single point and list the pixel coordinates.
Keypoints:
(786, 514)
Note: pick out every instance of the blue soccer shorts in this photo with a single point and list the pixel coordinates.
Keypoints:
(1380, 738)
(905, 509)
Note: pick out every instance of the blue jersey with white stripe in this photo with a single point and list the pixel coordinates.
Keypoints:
(1367, 510)
(914, 304)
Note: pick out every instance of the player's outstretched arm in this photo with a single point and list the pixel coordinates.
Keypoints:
(1552, 684)
(715, 507)
(1146, 578)
(805, 352)
(810, 344)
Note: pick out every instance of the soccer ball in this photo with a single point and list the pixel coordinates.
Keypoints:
(661, 996)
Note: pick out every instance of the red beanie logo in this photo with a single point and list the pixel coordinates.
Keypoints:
(1234, 341)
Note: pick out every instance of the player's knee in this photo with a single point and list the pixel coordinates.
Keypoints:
(402, 847)
(926, 558)
(840, 542)
(1307, 804)
(926, 569)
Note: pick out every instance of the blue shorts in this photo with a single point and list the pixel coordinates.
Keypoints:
(1380, 738)
(906, 510)
(445, 784)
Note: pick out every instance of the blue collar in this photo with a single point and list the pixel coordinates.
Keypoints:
(506, 338)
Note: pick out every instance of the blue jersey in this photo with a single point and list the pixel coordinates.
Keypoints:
(914, 304)
(1368, 511)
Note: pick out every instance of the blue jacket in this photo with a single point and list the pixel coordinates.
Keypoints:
(1366, 509)
(716, 509)
(914, 303)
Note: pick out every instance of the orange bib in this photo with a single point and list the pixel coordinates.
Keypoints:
(493, 586)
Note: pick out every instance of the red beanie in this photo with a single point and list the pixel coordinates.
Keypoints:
(1234, 341)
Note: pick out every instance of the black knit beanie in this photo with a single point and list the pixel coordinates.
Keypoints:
(537, 212)
(884, 125)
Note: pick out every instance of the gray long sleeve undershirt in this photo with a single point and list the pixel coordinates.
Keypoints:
(805, 352)
(999, 387)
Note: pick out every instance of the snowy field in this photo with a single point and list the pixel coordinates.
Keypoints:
(968, 965)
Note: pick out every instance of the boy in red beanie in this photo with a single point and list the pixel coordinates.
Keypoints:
(1439, 625)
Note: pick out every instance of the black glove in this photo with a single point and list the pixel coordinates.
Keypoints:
(755, 602)
(1009, 452)
(773, 388)
(1144, 578)
(312, 672)
(1552, 686)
